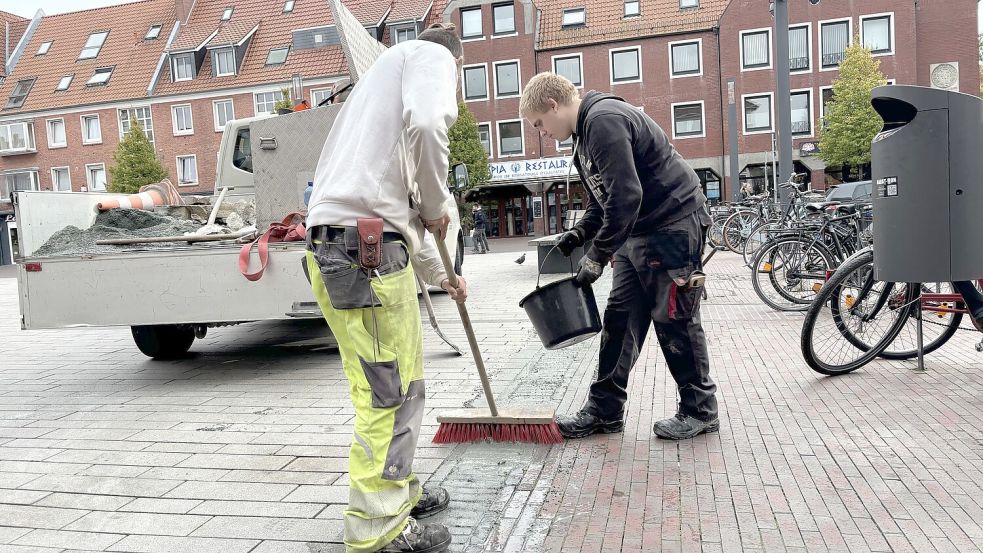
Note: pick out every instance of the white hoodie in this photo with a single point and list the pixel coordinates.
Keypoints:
(389, 143)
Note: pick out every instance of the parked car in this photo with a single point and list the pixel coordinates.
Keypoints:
(851, 192)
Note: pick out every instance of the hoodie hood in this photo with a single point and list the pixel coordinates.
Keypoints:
(589, 100)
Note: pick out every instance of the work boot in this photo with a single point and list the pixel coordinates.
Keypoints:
(584, 423)
(420, 538)
(682, 427)
(435, 499)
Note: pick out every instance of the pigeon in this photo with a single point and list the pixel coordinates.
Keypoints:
(521, 260)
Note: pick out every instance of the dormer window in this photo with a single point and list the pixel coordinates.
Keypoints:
(93, 45)
(153, 32)
(574, 17)
(288, 6)
(183, 67)
(19, 94)
(64, 82)
(402, 34)
(632, 8)
(100, 77)
(224, 62)
(277, 56)
(227, 14)
(43, 49)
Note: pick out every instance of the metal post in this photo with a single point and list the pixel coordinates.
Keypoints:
(783, 94)
(735, 171)
(921, 336)
(774, 170)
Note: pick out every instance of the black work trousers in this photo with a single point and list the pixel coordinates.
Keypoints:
(650, 273)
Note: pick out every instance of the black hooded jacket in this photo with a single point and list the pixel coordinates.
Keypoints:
(635, 179)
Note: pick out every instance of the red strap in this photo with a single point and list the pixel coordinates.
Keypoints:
(278, 232)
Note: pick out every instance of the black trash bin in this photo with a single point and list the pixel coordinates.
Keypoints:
(927, 167)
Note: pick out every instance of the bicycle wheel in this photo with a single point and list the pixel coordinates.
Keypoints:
(853, 318)
(737, 228)
(938, 325)
(715, 236)
(788, 272)
(757, 238)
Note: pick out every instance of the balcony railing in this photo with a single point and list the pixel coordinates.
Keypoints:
(800, 127)
(832, 60)
(796, 64)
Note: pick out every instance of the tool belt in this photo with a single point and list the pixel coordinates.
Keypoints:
(363, 238)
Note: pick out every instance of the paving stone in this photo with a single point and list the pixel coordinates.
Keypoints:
(84, 501)
(271, 546)
(249, 462)
(37, 517)
(21, 497)
(167, 544)
(138, 523)
(9, 533)
(157, 505)
(143, 487)
(259, 508)
(319, 494)
(68, 540)
(242, 491)
(272, 529)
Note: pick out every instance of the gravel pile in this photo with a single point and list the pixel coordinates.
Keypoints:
(112, 224)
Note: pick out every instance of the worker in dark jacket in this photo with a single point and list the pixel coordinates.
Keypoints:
(647, 214)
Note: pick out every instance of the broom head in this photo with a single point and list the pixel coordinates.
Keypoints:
(526, 425)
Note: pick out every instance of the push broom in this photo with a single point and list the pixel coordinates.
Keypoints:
(527, 424)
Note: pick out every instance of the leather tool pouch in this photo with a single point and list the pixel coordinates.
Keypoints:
(369, 243)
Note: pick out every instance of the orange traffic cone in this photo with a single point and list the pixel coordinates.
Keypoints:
(149, 197)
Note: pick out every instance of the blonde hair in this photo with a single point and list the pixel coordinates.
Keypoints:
(544, 87)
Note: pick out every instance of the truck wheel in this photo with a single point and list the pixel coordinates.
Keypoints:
(459, 255)
(163, 341)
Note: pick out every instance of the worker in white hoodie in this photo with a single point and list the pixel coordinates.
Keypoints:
(381, 179)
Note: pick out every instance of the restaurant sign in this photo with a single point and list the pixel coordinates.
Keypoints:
(547, 167)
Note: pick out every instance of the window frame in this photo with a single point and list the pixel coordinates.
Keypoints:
(46, 46)
(758, 67)
(327, 94)
(177, 166)
(573, 11)
(699, 59)
(30, 140)
(100, 71)
(5, 193)
(227, 14)
(174, 59)
(515, 29)
(98, 119)
(522, 137)
(849, 42)
(215, 103)
(822, 103)
(891, 36)
(812, 113)
(156, 26)
(270, 53)
(808, 27)
(291, 4)
(771, 115)
(23, 97)
(491, 139)
(682, 7)
(70, 78)
(88, 177)
(146, 128)
(396, 29)
(580, 64)
(703, 120)
(215, 53)
(638, 56)
(624, 10)
(47, 132)
(518, 78)
(274, 92)
(98, 48)
(464, 82)
(191, 120)
(481, 24)
(54, 184)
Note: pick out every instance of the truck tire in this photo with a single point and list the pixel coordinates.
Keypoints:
(459, 255)
(163, 341)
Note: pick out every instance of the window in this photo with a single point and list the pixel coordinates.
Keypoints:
(683, 4)
(471, 23)
(181, 119)
(266, 100)
(64, 83)
(507, 79)
(802, 113)
(61, 179)
(43, 49)
(56, 133)
(685, 58)
(509, 138)
(835, 38)
(757, 113)
(320, 95)
(17, 138)
(95, 176)
(876, 32)
(756, 49)
(91, 129)
(570, 67)
(277, 56)
(224, 112)
(574, 17)
(476, 82)
(183, 66)
(242, 156)
(798, 48)
(403, 34)
(21, 180)
(826, 95)
(187, 170)
(153, 32)
(288, 6)
(93, 45)
(625, 66)
(100, 77)
(632, 8)
(687, 120)
(227, 14)
(19, 93)
(504, 18)
(484, 135)
(565, 145)
(141, 116)
(223, 62)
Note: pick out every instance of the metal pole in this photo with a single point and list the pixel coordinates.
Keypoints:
(774, 170)
(783, 93)
(735, 176)
(921, 336)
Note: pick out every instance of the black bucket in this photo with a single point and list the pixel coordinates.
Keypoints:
(562, 313)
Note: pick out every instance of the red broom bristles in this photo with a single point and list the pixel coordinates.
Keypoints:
(449, 433)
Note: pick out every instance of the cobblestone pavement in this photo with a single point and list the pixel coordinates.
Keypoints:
(242, 446)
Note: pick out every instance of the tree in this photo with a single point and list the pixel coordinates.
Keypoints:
(136, 164)
(466, 148)
(851, 122)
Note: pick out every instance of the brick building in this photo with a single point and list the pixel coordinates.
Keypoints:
(182, 68)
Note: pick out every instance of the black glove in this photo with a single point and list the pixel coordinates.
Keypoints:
(569, 241)
(589, 272)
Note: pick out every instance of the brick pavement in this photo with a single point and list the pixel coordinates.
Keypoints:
(242, 446)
